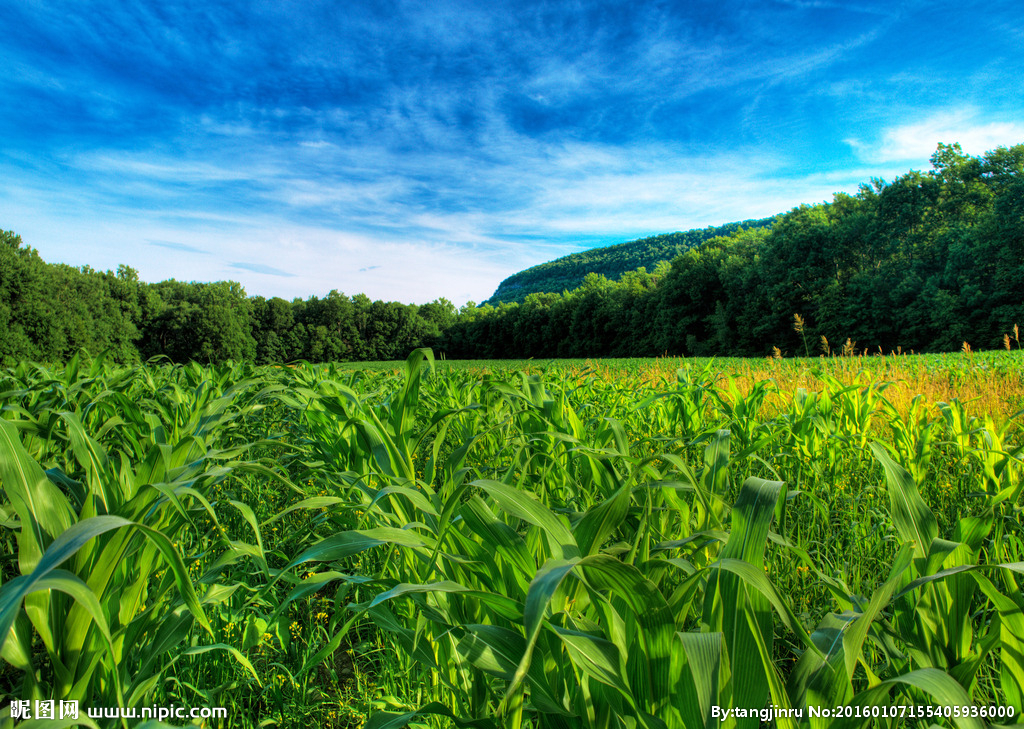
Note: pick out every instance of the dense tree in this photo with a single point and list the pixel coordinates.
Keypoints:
(208, 322)
(272, 321)
(49, 312)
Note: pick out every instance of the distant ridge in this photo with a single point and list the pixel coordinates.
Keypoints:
(568, 272)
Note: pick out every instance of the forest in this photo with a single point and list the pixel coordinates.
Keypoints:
(925, 263)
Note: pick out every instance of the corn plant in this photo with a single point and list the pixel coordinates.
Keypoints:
(566, 545)
(111, 545)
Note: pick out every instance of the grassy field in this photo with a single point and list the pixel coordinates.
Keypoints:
(609, 543)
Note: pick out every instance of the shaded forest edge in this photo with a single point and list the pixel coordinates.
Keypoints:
(924, 263)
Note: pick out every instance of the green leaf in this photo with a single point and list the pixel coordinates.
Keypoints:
(527, 507)
(542, 588)
(596, 657)
(43, 510)
(914, 521)
(63, 547)
(703, 658)
(388, 720)
(600, 521)
(345, 544)
(941, 687)
(726, 599)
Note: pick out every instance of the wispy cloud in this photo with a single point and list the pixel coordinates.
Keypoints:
(262, 269)
(177, 246)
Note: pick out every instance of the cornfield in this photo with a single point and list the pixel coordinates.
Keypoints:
(644, 545)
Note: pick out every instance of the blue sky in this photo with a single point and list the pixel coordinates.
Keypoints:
(412, 150)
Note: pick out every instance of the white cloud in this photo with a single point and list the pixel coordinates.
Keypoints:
(917, 141)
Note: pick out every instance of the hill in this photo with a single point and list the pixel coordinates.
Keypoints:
(568, 272)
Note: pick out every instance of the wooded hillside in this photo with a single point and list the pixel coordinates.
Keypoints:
(567, 273)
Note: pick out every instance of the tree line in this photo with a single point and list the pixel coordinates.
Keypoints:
(48, 312)
(924, 263)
